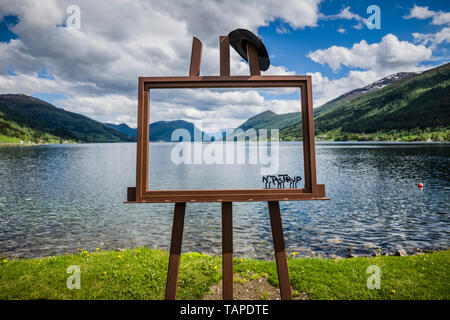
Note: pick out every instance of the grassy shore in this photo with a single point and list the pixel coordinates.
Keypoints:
(141, 274)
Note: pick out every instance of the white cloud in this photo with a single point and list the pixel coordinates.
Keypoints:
(282, 30)
(439, 17)
(377, 60)
(325, 89)
(111, 108)
(346, 14)
(29, 84)
(433, 39)
(442, 36)
(97, 66)
(419, 13)
(390, 55)
(233, 106)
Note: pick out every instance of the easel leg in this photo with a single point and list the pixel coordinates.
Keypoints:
(175, 251)
(227, 251)
(280, 251)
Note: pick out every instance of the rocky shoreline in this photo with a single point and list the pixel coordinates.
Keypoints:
(301, 252)
(350, 254)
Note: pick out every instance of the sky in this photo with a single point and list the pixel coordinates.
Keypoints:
(90, 63)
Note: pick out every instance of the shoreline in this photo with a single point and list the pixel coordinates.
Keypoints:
(7, 144)
(25, 144)
(290, 253)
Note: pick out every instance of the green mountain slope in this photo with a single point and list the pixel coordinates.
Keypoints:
(404, 106)
(271, 120)
(124, 128)
(353, 94)
(410, 107)
(418, 103)
(27, 118)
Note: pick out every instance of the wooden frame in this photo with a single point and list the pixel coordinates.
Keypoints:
(142, 194)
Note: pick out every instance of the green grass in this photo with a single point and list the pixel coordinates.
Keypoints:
(11, 132)
(441, 134)
(5, 139)
(132, 274)
(141, 274)
(414, 277)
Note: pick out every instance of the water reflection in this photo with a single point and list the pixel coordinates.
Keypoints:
(55, 199)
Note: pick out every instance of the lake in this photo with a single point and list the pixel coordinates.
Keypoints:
(57, 198)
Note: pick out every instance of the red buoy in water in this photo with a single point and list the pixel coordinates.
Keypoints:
(420, 185)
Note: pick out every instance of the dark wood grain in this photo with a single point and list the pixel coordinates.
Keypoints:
(280, 251)
(224, 56)
(253, 61)
(227, 251)
(196, 57)
(175, 251)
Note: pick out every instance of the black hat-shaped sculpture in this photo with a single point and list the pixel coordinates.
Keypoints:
(239, 39)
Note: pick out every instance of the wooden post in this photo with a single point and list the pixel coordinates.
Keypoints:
(224, 56)
(253, 61)
(309, 153)
(280, 251)
(196, 57)
(175, 250)
(227, 251)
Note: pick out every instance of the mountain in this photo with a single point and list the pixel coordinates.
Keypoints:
(271, 120)
(31, 119)
(28, 118)
(290, 121)
(369, 88)
(408, 106)
(124, 128)
(418, 103)
(162, 130)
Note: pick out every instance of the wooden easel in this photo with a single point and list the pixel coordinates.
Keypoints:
(227, 212)
(227, 250)
(141, 194)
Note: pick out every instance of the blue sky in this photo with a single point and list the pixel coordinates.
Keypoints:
(93, 69)
(285, 48)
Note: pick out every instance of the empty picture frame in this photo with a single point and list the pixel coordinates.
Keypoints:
(142, 194)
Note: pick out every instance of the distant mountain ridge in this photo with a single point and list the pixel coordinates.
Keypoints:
(403, 102)
(162, 130)
(270, 120)
(124, 128)
(412, 105)
(28, 118)
(420, 101)
(379, 84)
(416, 105)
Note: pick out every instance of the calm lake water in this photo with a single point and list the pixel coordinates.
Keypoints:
(57, 198)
